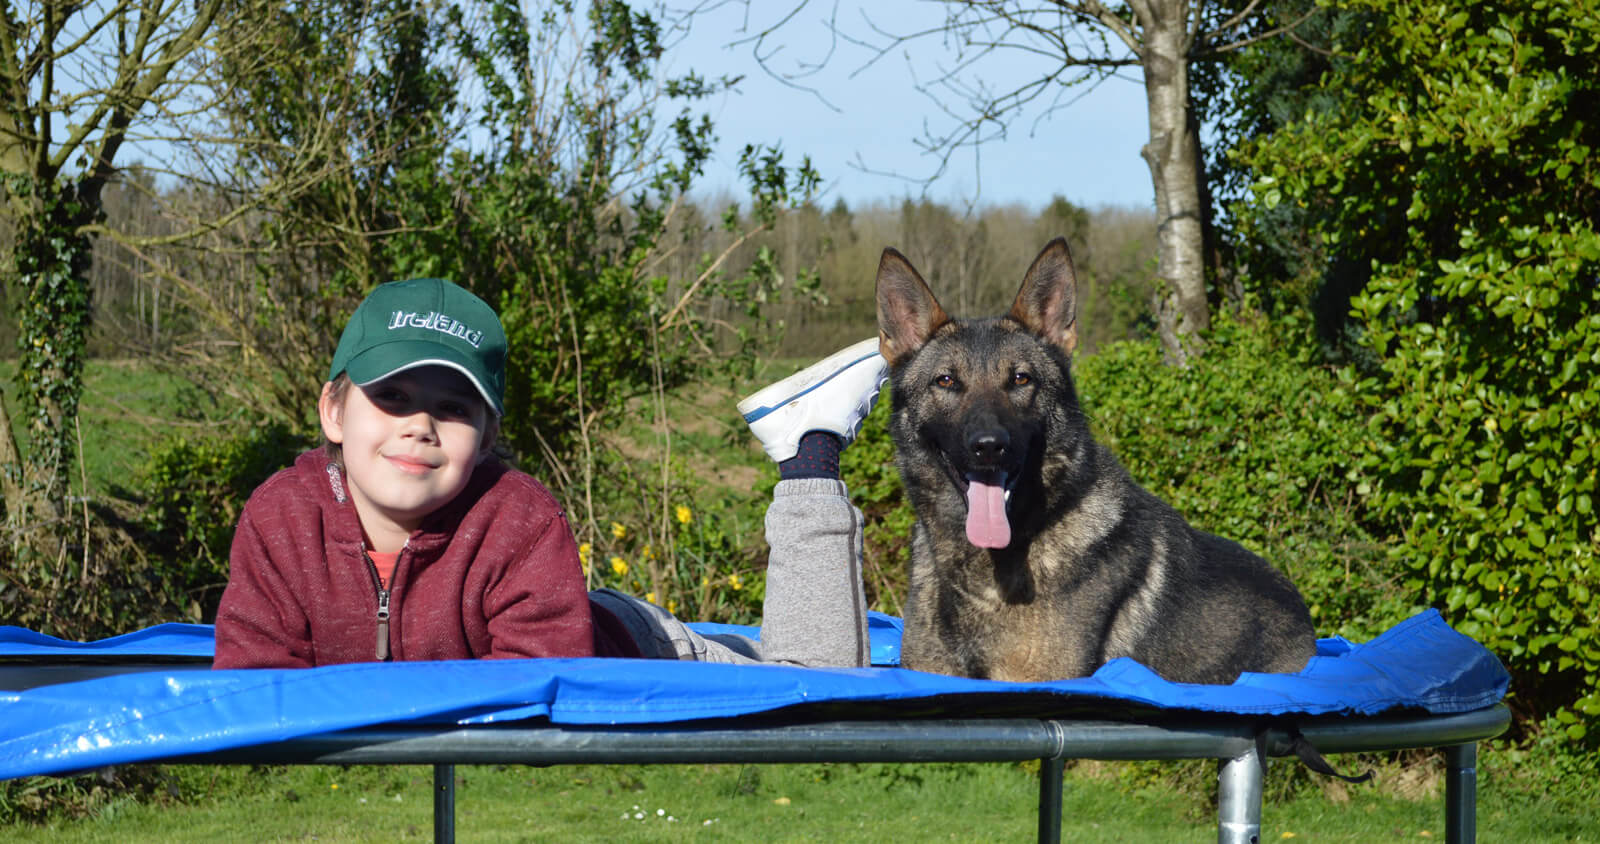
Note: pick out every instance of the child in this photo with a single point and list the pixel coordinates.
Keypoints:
(405, 538)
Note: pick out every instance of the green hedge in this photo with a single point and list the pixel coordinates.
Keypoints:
(1450, 181)
(194, 490)
(1255, 442)
(1483, 450)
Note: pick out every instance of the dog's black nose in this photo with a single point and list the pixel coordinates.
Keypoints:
(988, 447)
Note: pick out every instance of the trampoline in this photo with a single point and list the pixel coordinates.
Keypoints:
(149, 696)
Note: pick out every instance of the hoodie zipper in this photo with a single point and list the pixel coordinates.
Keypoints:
(383, 607)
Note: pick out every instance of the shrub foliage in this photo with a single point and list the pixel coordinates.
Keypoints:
(1454, 164)
(194, 490)
(1255, 442)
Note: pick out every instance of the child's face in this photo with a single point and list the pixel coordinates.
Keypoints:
(410, 443)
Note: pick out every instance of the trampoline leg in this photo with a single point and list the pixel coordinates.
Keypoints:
(1461, 793)
(1050, 800)
(1239, 783)
(444, 804)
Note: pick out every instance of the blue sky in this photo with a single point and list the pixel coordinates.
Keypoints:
(1087, 151)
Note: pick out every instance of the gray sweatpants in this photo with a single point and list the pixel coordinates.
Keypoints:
(816, 610)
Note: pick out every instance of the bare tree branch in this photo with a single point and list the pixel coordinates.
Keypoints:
(1077, 44)
(1289, 30)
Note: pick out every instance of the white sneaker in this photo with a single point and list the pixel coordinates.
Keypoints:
(834, 395)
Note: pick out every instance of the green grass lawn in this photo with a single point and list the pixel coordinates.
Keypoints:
(838, 802)
(126, 407)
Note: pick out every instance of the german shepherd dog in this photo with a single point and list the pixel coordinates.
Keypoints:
(1034, 555)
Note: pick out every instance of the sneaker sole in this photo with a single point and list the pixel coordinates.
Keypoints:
(771, 398)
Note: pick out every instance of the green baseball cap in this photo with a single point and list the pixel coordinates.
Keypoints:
(424, 322)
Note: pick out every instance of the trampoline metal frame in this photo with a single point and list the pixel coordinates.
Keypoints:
(1241, 744)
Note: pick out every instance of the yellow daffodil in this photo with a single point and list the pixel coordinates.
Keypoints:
(619, 565)
(685, 515)
(618, 530)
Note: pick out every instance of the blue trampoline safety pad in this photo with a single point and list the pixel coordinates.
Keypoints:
(164, 640)
(1419, 664)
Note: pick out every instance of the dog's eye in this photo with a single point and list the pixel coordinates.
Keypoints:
(945, 381)
(1021, 379)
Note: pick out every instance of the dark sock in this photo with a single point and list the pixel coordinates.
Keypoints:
(818, 457)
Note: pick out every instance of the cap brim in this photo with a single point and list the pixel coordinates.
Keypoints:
(366, 367)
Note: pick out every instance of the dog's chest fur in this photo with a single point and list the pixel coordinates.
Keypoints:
(977, 614)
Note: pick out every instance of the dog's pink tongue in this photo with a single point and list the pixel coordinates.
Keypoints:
(986, 515)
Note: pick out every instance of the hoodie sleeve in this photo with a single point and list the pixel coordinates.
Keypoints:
(539, 605)
(259, 622)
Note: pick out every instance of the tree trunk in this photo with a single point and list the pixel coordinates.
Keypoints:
(10, 467)
(51, 260)
(1173, 155)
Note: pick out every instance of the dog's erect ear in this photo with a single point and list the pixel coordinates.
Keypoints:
(907, 312)
(1048, 301)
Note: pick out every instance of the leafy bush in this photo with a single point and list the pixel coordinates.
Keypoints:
(194, 491)
(1482, 441)
(702, 569)
(869, 471)
(1455, 167)
(673, 539)
(1253, 442)
(559, 207)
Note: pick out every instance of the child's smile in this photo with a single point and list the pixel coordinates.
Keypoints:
(410, 443)
(410, 465)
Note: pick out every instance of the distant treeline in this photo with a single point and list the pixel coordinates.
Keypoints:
(826, 256)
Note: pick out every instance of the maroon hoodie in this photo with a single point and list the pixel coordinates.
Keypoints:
(494, 573)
